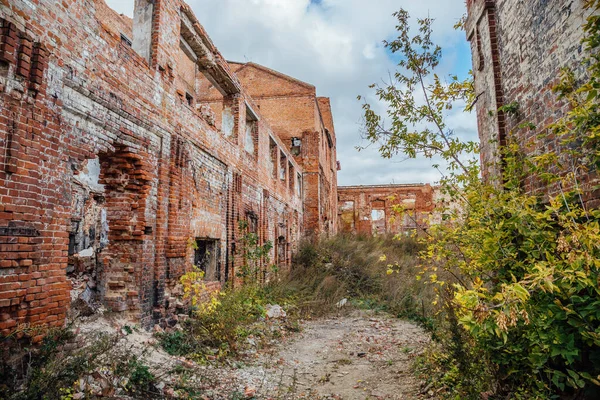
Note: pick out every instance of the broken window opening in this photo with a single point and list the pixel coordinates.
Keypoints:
(378, 221)
(377, 215)
(125, 40)
(347, 206)
(299, 185)
(189, 99)
(346, 216)
(273, 157)
(228, 121)
(281, 250)
(186, 74)
(252, 219)
(296, 147)
(251, 131)
(409, 220)
(206, 258)
(292, 174)
(282, 166)
(3, 68)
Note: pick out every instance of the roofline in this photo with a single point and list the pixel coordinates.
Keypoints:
(276, 73)
(387, 186)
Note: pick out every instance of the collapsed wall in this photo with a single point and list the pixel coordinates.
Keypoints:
(382, 209)
(114, 177)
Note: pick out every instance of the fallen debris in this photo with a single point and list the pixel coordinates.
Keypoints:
(275, 311)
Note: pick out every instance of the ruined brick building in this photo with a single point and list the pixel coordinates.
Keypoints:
(518, 49)
(130, 149)
(371, 209)
(304, 123)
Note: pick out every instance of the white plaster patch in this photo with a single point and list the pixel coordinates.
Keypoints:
(90, 175)
(228, 122)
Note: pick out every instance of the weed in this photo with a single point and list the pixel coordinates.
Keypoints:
(141, 378)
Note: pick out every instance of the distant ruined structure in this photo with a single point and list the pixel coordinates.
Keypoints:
(518, 49)
(370, 209)
(130, 150)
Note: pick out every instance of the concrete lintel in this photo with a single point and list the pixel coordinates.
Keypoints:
(210, 62)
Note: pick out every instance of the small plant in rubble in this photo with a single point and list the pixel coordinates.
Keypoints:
(256, 257)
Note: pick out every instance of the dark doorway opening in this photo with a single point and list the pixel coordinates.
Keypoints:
(207, 258)
(282, 250)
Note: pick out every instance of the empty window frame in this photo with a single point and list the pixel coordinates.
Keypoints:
(282, 167)
(273, 151)
(296, 147)
(292, 174)
(251, 132)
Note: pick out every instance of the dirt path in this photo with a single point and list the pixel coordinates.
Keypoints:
(359, 356)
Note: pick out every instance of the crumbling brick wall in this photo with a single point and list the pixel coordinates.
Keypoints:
(111, 169)
(518, 49)
(304, 123)
(373, 209)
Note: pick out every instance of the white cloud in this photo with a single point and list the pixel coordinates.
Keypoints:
(122, 6)
(335, 46)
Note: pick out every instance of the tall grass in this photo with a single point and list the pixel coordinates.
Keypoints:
(348, 266)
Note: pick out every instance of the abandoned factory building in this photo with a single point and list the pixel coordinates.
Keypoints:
(302, 121)
(381, 209)
(130, 149)
(518, 50)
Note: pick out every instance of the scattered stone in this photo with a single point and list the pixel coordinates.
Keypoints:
(341, 303)
(89, 252)
(249, 392)
(275, 311)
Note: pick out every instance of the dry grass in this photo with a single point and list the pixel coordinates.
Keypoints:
(348, 266)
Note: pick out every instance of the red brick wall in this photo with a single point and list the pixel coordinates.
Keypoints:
(518, 50)
(294, 111)
(357, 203)
(73, 92)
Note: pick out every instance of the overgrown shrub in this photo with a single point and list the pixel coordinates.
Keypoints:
(223, 330)
(524, 267)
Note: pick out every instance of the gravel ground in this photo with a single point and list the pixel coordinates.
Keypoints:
(363, 355)
(355, 355)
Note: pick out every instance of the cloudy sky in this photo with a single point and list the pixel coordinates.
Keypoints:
(336, 46)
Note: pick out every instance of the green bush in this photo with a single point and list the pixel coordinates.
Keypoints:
(222, 331)
(520, 251)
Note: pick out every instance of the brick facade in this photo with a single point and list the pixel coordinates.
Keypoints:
(112, 166)
(370, 209)
(304, 123)
(518, 50)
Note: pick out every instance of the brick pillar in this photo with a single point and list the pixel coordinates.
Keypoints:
(165, 32)
(481, 29)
